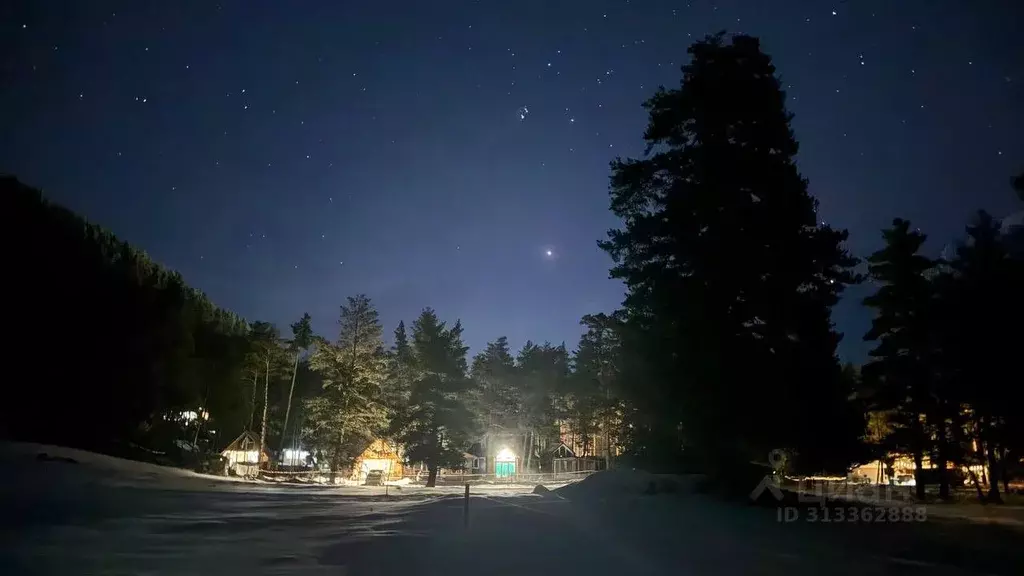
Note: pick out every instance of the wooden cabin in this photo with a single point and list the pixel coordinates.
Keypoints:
(380, 455)
(244, 456)
(565, 462)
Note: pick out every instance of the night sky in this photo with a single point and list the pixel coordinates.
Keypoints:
(284, 155)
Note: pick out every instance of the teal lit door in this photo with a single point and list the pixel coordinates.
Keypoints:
(504, 469)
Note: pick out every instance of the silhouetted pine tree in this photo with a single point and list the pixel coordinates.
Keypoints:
(983, 314)
(901, 373)
(730, 272)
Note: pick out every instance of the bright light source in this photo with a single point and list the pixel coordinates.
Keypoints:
(548, 252)
(505, 455)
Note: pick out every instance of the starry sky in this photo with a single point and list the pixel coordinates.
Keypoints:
(454, 154)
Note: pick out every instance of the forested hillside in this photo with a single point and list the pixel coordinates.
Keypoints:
(108, 345)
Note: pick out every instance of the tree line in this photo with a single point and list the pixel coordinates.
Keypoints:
(723, 350)
(151, 369)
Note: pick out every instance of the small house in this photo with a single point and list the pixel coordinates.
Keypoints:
(379, 455)
(475, 461)
(565, 461)
(505, 463)
(244, 456)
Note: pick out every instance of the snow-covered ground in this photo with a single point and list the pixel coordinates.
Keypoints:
(103, 516)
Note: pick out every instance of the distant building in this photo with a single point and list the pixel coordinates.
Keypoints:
(564, 461)
(296, 458)
(498, 453)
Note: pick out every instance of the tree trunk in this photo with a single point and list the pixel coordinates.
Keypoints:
(263, 427)
(942, 458)
(336, 460)
(993, 474)
(1005, 471)
(607, 444)
(288, 410)
(980, 454)
(977, 486)
(335, 456)
(431, 474)
(918, 465)
(529, 450)
(607, 429)
(252, 406)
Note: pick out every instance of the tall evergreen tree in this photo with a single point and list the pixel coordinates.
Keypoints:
(349, 411)
(901, 373)
(596, 408)
(494, 371)
(302, 339)
(730, 273)
(437, 426)
(542, 376)
(982, 297)
(402, 367)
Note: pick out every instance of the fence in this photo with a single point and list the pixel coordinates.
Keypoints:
(450, 477)
(460, 477)
(871, 493)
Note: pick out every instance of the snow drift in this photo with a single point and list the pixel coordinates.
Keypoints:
(626, 482)
(31, 463)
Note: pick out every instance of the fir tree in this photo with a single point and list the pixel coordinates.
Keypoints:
(542, 376)
(982, 298)
(349, 411)
(437, 426)
(730, 273)
(901, 374)
(494, 371)
(401, 371)
(595, 408)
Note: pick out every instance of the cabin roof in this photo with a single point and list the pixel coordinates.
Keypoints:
(562, 451)
(245, 442)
